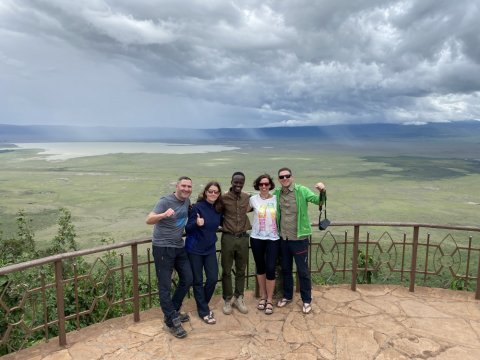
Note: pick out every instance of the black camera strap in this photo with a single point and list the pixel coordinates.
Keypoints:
(323, 200)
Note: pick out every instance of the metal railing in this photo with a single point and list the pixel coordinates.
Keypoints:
(444, 259)
(48, 297)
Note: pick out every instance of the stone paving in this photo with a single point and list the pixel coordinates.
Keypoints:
(375, 322)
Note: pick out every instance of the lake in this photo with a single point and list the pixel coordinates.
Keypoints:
(60, 151)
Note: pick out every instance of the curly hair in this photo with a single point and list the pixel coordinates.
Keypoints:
(256, 183)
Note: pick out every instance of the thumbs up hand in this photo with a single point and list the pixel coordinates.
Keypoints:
(200, 220)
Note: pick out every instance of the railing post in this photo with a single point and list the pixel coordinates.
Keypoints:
(477, 293)
(136, 296)
(413, 269)
(467, 271)
(62, 336)
(356, 237)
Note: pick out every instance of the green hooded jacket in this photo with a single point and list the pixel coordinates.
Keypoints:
(303, 196)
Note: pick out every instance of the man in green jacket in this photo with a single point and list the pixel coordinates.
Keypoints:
(294, 229)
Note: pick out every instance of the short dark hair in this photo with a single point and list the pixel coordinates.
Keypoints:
(284, 169)
(183, 178)
(238, 173)
(256, 183)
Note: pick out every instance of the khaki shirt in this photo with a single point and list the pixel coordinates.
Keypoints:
(235, 219)
(288, 209)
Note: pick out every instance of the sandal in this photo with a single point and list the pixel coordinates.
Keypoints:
(283, 302)
(269, 308)
(261, 304)
(307, 308)
(209, 319)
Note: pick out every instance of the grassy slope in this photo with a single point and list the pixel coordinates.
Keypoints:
(110, 195)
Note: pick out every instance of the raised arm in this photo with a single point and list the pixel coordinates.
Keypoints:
(320, 187)
(153, 217)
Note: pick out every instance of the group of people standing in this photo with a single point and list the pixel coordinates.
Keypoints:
(280, 229)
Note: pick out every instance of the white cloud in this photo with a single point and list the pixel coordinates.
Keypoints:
(239, 63)
(127, 30)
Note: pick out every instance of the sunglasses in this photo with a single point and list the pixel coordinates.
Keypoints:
(264, 184)
(214, 192)
(281, 177)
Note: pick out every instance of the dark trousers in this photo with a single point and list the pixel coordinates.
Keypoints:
(234, 249)
(166, 260)
(203, 292)
(298, 250)
(265, 254)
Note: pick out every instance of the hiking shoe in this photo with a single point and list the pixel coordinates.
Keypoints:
(176, 328)
(184, 317)
(209, 319)
(227, 307)
(240, 304)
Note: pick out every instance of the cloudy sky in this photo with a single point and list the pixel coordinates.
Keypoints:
(221, 63)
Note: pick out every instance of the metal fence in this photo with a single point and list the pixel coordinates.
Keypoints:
(48, 297)
(400, 253)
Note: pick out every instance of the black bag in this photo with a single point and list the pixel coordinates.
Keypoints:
(323, 224)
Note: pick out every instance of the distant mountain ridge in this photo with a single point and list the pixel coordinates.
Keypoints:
(51, 133)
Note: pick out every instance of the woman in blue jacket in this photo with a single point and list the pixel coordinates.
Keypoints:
(203, 222)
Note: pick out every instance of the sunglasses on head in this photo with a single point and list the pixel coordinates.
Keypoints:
(281, 177)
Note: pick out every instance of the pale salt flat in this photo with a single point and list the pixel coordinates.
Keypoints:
(60, 151)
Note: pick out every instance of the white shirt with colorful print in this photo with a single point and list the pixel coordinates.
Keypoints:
(264, 218)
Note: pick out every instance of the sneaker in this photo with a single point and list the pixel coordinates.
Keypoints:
(240, 304)
(184, 317)
(227, 307)
(209, 319)
(176, 328)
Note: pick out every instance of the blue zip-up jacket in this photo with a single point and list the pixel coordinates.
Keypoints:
(201, 240)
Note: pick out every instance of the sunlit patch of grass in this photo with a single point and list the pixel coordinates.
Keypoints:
(209, 164)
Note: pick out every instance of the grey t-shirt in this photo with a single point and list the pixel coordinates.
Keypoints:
(168, 232)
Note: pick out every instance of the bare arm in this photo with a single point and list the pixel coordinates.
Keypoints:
(153, 217)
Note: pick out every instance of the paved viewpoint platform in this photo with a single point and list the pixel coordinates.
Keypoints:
(375, 322)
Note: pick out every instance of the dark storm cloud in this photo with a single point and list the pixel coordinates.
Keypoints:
(239, 63)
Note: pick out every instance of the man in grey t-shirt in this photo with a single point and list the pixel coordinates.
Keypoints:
(169, 217)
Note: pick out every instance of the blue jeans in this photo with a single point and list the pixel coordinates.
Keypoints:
(298, 250)
(265, 254)
(203, 293)
(166, 259)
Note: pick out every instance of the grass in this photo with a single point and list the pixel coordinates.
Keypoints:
(110, 195)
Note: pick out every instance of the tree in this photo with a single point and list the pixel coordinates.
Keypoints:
(21, 247)
(65, 239)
